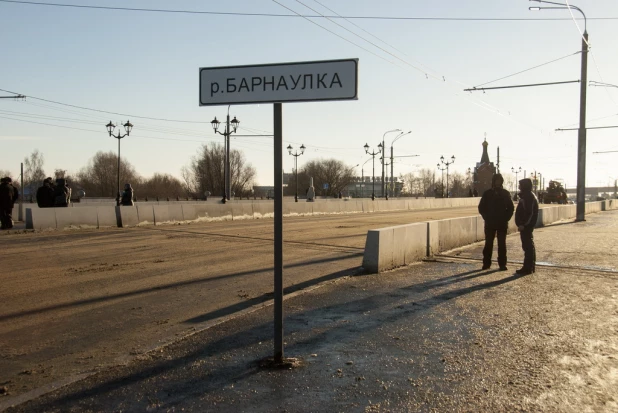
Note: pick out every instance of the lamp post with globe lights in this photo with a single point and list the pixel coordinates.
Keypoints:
(226, 134)
(373, 155)
(110, 129)
(296, 154)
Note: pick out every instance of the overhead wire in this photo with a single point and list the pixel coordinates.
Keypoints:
(216, 13)
(335, 34)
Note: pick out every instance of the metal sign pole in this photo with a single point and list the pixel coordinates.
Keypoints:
(278, 210)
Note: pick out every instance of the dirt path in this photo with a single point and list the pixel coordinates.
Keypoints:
(74, 302)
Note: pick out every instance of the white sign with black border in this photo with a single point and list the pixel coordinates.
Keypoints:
(279, 83)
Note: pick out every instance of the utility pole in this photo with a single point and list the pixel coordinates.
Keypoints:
(581, 136)
(498, 161)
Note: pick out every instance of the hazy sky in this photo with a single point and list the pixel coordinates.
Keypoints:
(412, 73)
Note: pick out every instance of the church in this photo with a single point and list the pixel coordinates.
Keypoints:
(483, 172)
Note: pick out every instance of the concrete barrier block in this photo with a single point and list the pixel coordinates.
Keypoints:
(453, 233)
(127, 216)
(85, 217)
(40, 218)
(326, 207)
(106, 216)
(265, 209)
(433, 238)
(301, 208)
(378, 254)
(368, 205)
(43, 218)
(242, 210)
(176, 213)
(415, 241)
(161, 214)
(188, 212)
(145, 213)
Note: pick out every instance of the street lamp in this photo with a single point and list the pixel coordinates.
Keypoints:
(373, 155)
(581, 135)
(516, 171)
(401, 135)
(226, 134)
(384, 147)
(296, 155)
(447, 163)
(110, 129)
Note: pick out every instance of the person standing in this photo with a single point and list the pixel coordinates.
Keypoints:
(62, 193)
(496, 208)
(8, 196)
(45, 194)
(525, 219)
(127, 195)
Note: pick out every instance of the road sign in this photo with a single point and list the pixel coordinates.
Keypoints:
(325, 186)
(280, 82)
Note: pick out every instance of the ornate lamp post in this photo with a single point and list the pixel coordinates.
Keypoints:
(110, 129)
(226, 134)
(516, 171)
(373, 155)
(447, 163)
(296, 155)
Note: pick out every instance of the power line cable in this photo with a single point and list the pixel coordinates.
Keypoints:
(198, 12)
(338, 35)
(527, 70)
(362, 38)
(104, 111)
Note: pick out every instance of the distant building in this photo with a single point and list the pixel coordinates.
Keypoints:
(483, 172)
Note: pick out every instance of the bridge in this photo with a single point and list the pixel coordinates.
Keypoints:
(593, 190)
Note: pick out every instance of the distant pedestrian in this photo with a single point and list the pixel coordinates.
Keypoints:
(475, 193)
(45, 194)
(525, 219)
(8, 196)
(62, 193)
(496, 208)
(127, 195)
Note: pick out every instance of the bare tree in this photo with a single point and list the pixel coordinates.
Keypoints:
(332, 172)
(33, 172)
(420, 183)
(99, 177)
(160, 185)
(205, 172)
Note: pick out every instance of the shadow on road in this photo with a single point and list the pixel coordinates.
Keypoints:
(230, 356)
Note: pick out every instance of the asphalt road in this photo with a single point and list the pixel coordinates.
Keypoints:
(74, 302)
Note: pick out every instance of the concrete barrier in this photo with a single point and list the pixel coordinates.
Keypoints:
(145, 213)
(383, 246)
(40, 218)
(107, 217)
(127, 216)
(392, 247)
(85, 217)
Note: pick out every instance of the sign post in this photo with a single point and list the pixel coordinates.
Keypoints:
(277, 83)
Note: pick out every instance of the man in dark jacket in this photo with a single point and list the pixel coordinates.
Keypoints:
(45, 194)
(525, 219)
(8, 196)
(496, 208)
